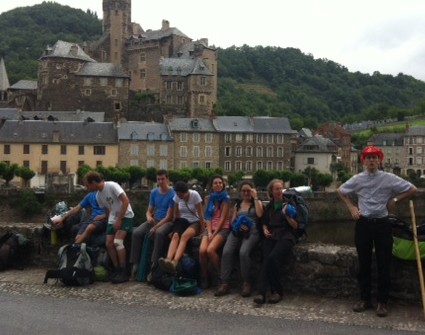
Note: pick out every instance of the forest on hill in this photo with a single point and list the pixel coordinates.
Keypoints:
(252, 81)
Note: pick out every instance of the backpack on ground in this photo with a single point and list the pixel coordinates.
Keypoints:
(75, 266)
(161, 279)
(8, 250)
(295, 198)
(403, 243)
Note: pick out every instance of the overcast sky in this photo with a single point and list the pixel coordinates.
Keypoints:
(363, 35)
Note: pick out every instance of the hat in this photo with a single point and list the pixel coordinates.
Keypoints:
(371, 150)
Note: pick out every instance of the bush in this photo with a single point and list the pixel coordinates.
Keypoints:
(27, 203)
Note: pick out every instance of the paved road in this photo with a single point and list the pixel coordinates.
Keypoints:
(46, 315)
(28, 306)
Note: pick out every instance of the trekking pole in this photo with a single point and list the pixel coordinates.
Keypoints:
(418, 255)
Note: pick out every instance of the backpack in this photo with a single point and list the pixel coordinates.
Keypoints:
(75, 266)
(8, 250)
(161, 279)
(295, 198)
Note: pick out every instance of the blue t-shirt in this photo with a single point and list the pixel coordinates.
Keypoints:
(90, 201)
(161, 202)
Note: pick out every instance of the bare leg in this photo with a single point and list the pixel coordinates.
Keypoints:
(86, 234)
(212, 251)
(187, 235)
(203, 257)
(173, 246)
(112, 251)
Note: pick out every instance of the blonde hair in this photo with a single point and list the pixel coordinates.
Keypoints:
(270, 186)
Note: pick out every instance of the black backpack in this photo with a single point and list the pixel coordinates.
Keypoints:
(75, 266)
(8, 250)
(296, 199)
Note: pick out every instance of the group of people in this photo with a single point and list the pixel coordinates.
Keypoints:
(177, 214)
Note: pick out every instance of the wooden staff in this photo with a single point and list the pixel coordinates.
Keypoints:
(418, 254)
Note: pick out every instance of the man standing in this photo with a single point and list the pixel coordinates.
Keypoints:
(114, 200)
(159, 221)
(377, 192)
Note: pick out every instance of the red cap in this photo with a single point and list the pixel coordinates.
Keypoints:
(371, 150)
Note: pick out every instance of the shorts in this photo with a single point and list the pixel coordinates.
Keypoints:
(126, 225)
(223, 233)
(180, 225)
(100, 226)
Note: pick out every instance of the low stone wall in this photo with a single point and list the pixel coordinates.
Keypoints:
(321, 269)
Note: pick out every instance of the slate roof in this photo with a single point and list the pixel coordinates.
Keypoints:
(191, 124)
(253, 124)
(318, 144)
(416, 131)
(143, 131)
(159, 34)
(64, 50)
(183, 67)
(24, 85)
(102, 70)
(390, 139)
(13, 114)
(31, 131)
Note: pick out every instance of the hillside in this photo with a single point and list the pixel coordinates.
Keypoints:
(252, 80)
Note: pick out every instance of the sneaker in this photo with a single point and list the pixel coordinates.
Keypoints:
(362, 306)
(246, 290)
(259, 299)
(121, 277)
(382, 310)
(274, 298)
(223, 289)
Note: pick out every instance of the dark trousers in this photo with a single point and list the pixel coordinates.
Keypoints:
(274, 254)
(376, 233)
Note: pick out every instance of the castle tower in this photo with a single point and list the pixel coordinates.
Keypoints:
(117, 24)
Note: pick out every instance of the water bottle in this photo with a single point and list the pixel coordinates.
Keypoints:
(53, 237)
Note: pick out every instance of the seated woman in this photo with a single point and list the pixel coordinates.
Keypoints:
(217, 228)
(244, 237)
(188, 222)
(279, 230)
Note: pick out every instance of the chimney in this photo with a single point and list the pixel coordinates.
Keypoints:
(165, 25)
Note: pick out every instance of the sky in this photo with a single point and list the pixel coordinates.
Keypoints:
(363, 35)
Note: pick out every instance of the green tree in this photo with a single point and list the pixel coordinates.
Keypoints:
(9, 172)
(26, 174)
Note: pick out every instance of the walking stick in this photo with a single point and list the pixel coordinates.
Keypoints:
(418, 255)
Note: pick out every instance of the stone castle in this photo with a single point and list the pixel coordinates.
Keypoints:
(169, 72)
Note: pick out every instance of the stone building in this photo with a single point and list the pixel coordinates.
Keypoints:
(174, 73)
(414, 142)
(145, 144)
(68, 79)
(4, 84)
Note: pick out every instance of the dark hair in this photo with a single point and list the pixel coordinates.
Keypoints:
(270, 186)
(217, 176)
(181, 186)
(162, 172)
(93, 176)
(246, 182)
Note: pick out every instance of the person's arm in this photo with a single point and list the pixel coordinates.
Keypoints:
(72, 211)
(200, 211)
(149, 214)
(354, 210)
(169, 217)
(401, 196)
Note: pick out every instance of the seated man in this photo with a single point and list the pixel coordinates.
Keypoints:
(95, 224)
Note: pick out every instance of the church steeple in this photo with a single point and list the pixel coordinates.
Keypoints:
(117, 24)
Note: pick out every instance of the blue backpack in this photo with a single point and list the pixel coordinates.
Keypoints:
(295, 198)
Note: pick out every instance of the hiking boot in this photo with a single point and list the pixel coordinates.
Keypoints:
(274, 298)
(382, 310)
(121, 277)
(246, 290)
(259, 299)
(112, 274)
(168, 265)
(362, 306)
(223, 289)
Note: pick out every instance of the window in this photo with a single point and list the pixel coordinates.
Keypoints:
(118, 82)
(419, 150)
(6, 149)
(259, 152)
(270, 139)
(99, 163)
(142, 73)
(279, 139)
(259, 138)
(227, 138)
(227, 151)
(202, 99)
(150, 163)
(208, 152)
(208, 165)
(310, 160)
(238, 151)
(103, 81)
(183, 164)
(81, 149)
(87, 82)
(151, 150)
(87, 92)
(26, 149)
(26, 164)
(63, 149)
(163, 150)
(63, 166)
(80, 163)
(280, 152)
(183, 137)
(269, 151)
(134, 150)
(238, 166)
(196, 152)
(195, 165)
(163, 164)
(238, 138)
(113, 92)
(168, 85)
(43, 167)
(227, 166)
(203, 81)
(248, 151)
(248, 166)
(249, 138)
(183, 151)
(269, 166)
(196, 137)
(208, 138)
(99, 150)
(117, 106)
(143, 57)
(44, 149)
(259, 165)
(180, 86)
